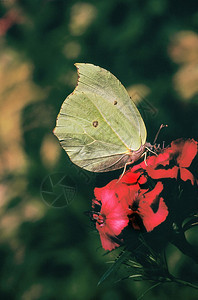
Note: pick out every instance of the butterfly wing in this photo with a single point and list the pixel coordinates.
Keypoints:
(99, 81)
(98, 126)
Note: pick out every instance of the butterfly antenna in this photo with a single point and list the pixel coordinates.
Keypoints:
(161, 126)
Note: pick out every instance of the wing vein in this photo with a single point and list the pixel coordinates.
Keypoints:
(75, 117)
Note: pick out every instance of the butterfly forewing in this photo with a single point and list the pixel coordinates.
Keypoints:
(98, 126)
(100, 81)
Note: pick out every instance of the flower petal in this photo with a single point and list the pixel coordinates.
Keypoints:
(116, 224)
(151, 219)
(113, 225)
(130, 177)
(98, 192)
(151, 196)
(142, 179)
(188, 153)
(162, 173)
(107, 242)
(186, 175)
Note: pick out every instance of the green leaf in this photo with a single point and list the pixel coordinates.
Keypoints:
(191, 223)
(121, 259)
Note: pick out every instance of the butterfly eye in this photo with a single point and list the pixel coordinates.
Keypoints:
(95, 123)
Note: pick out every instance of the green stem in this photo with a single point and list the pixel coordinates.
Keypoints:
(186, 283)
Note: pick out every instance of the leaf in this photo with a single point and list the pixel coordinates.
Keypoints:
(148, 290)
(191, 223)
(122, 257)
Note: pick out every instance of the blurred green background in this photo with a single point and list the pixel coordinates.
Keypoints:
(50, 253)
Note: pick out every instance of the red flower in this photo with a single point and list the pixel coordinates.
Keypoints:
(186, 151)
(150, 218)
(129, 201)
(173, 161)
(113, 216)
(120, 201)
(133, 178)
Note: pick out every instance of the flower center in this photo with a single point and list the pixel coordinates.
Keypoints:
(100, 219)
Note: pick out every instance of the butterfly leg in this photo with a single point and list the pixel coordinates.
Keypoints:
(149, 150)
(124, 170)
(145, 156)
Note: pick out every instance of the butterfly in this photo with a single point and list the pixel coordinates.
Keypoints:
(99, 125)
